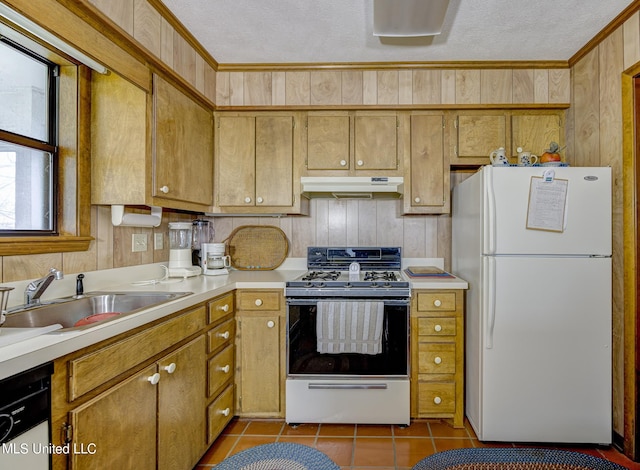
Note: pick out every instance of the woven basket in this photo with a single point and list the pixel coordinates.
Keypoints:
(257, 247)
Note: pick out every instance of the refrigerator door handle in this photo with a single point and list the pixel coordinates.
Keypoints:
(490, 225)
(490, 301)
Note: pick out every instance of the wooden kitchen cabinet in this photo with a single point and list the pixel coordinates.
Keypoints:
(426, 180)
(533, 131)
(140, 398)
(475, 134)
(183, 148)
(257, 163)
(437, 355)
(154, 150)
(220, 364)
(260, 363)
(166, 398)
(355, 143)
(120, 423)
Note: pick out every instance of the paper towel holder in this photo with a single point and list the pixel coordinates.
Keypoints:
(120, 219)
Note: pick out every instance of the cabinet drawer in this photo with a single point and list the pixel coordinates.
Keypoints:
(220, 335)
(221, 307)
(219, 413)
(436, 398)
(436, 301)
(259, 300)
(94, 369)
(436, 358)
(220, 369)
(436, 326)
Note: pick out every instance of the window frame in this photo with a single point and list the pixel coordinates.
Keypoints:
(50, 146)
(73, 196)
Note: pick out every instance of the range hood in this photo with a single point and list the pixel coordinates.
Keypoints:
(352, 187)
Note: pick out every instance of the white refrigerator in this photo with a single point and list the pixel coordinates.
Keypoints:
(538, 309)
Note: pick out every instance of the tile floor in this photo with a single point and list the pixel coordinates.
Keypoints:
(365, 447)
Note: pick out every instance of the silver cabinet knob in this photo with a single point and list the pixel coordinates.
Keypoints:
(343, 163)
(247, 199)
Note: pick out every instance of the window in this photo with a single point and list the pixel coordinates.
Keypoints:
(28, 142)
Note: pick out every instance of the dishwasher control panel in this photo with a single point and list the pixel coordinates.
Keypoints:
(25, 401)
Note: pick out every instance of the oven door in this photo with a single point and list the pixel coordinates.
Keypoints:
(307, 358)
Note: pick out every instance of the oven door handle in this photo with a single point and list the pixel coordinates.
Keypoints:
(314, 301)
(347, 386)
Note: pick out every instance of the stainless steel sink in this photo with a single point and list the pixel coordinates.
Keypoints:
(68, 311)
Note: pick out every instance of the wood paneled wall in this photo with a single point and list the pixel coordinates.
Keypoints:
(479, 87)
(595, 138)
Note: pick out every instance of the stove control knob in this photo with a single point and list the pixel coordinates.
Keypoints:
(320, 284)
(308, 284)
(387, 284)
(348, 285)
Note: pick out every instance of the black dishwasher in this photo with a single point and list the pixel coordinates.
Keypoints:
(25, 410)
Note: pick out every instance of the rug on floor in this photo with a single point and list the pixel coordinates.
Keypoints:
(513, 459)
(278, 456)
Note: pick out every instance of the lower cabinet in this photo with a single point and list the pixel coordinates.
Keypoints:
(165, 399)
(437, 355)
(147, 398)
(260, 363)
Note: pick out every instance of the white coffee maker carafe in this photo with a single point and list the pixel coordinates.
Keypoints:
(214, 261)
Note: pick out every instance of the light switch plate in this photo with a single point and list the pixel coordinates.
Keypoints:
(139, 242)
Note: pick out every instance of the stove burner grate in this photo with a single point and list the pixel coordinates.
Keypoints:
(321, 276)
(380, 276)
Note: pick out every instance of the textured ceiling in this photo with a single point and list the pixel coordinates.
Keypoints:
(330, 31)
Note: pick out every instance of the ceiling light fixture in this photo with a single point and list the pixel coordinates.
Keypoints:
(46, 36)
(408, 18)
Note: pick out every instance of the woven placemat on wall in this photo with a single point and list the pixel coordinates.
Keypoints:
(257, 247)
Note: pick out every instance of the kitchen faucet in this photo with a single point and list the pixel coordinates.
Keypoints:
(36, 288)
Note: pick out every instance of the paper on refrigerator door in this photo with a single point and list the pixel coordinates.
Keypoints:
(547, 204)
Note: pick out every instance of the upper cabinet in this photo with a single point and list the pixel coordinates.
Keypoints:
(257, 163)
(533, 131)
(183, 148)
(475, 134)
(426, 181)
(171, 166)
(363, 143)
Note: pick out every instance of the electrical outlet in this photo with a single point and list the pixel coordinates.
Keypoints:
(157, 241)
(139, 242)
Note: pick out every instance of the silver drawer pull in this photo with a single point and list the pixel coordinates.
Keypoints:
(224, 335)
(321, 386)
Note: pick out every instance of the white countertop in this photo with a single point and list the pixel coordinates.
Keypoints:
(31, 352)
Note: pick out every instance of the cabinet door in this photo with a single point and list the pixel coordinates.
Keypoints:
(181, 406)
(236, 160)
(429, 174)
(259, 356)
(534, 132)
(376, 142)
(328, 142)
(183, 158)
(121, 423)
(477, 135)
(274, 161)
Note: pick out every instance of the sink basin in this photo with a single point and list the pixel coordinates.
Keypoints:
(68, 312)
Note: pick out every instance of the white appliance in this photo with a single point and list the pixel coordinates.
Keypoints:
(538, 310)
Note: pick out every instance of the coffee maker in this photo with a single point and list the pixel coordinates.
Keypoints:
(180, 239)
(214, 261)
